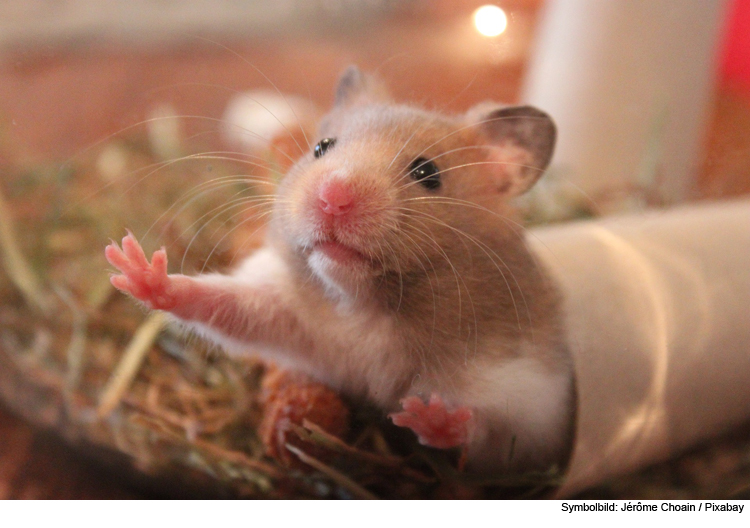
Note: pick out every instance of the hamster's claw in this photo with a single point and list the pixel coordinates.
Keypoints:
(147, 282)
(433, 423)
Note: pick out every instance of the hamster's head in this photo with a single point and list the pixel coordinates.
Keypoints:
(392, 189)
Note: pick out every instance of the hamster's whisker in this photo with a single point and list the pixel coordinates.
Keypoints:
(165, 164)
(441, 251)
(429, 282)
(394, 256)
(378, 255)
(201, 190)
(250, 236)
(468, 293)
(222, 209)
(409, 248)
(456, 275)
(492, 162)
(255, 202)
(461, 239)
(202, 193)
(232, 156)
(384, 259)
(259, 201)
(579, 189)
(400, 274)
(420, 352)
(144, 122)
(232, 230)
(213, 185)
(490, 254)
(516, 228)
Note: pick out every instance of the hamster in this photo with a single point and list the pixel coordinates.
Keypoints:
(394, 271)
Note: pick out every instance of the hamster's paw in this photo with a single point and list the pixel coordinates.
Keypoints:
(147, 282)
(433, 423)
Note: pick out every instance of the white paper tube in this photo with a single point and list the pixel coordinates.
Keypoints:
(658, 320)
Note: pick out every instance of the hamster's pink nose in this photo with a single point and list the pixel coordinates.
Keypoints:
(335, 198)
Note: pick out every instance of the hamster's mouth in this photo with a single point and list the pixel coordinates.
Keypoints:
(343, 269)
(341, 253)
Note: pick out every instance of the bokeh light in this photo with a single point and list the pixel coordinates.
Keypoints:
(490, 20)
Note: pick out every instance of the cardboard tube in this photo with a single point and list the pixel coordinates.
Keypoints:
(658, 321)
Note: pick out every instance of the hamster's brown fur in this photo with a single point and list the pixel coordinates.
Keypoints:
(385, 287)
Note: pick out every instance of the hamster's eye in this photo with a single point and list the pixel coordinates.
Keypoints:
(425, 172)
(323, 146)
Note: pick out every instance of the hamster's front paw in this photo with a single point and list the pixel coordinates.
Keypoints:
(433, 423)
(147, 282)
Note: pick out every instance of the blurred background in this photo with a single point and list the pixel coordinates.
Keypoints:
(641, 90)
(652, 98)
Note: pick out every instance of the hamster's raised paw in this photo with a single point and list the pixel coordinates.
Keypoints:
(146, 281)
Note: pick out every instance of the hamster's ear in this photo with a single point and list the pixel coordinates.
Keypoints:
(356, 87)
(521, 140)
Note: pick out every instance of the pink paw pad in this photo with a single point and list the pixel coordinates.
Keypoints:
(147, 282)
(433, 423)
